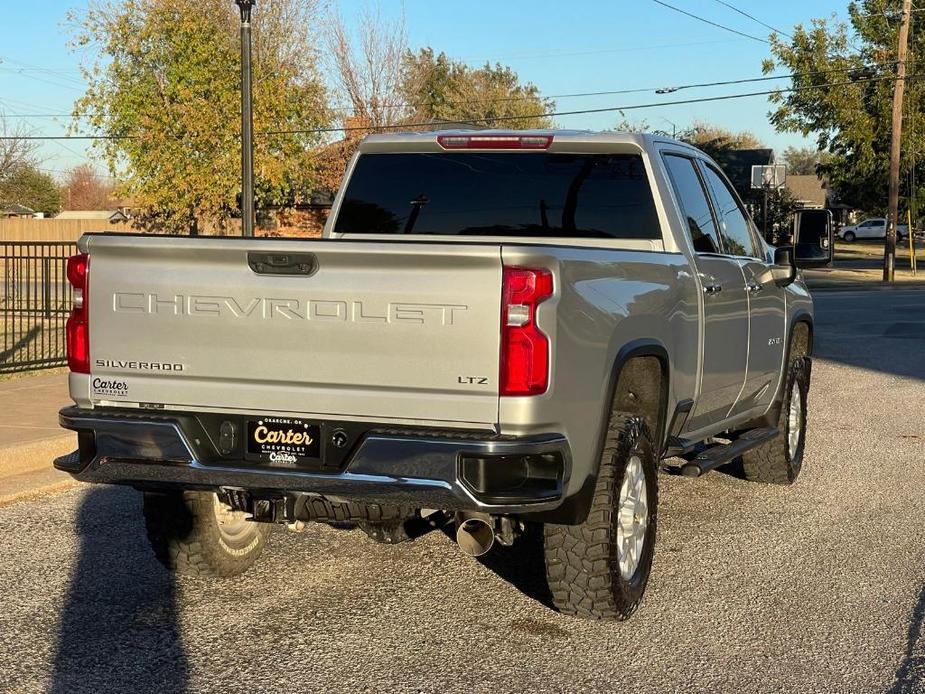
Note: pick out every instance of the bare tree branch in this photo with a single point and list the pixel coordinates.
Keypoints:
(366, 66)
(15, 149)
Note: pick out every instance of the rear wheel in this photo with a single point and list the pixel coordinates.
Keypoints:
(599, 569)
(193, 533)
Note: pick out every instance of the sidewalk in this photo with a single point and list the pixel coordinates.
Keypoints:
(30, 437)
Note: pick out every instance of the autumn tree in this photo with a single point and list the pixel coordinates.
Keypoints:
(437, 87)
(163, 93)
(85, 189)
(842, 96)
(714, 139)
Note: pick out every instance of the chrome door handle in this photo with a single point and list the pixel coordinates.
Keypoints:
(753, 288)
(712, 288)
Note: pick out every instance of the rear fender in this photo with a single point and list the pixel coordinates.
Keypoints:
(575, 508)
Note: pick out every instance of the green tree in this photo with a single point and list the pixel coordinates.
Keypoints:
(437, 87)
(803, 161)
(843, 97)
(26, 185)
(163, 89)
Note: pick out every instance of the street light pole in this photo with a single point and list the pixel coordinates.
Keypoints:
(674, 128)
(247, 122)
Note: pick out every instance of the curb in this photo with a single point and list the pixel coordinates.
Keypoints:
(26, 469)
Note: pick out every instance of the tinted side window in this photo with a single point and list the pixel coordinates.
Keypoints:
(694, 205)
(733, 224)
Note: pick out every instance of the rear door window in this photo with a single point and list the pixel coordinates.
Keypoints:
(694, 204)
(500, 194)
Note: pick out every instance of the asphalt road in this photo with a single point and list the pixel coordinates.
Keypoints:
(819, 587)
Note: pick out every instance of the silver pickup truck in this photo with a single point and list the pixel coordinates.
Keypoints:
(504, 333)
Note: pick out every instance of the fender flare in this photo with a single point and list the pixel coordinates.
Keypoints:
(801, 315)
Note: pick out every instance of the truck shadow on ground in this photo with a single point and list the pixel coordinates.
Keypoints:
(119, 628)
(522, 565)
(910, 674)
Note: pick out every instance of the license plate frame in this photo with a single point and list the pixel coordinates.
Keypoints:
(283, 441)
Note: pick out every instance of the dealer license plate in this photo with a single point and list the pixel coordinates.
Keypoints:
(283, 441)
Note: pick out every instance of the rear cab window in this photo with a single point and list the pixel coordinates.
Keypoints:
(507, 194)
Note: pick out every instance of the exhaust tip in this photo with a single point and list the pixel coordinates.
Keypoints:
(475, 536)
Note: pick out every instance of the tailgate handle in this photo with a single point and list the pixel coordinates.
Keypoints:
(305, 264)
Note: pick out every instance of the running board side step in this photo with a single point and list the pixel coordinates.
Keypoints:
(721, 454)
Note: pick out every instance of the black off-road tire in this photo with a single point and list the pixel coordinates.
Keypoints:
(582, 561)
(772, 462)
(192, 534)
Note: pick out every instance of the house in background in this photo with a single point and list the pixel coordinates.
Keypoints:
(808, 190)
(15, 211)
(112, 216)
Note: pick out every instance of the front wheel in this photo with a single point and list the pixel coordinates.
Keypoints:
(195, 534)
(849, 236)
(780, 460)
(599, 569)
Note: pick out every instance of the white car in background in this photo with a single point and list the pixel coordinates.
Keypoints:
(873, 228)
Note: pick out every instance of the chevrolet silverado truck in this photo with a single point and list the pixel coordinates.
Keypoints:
(502, 333)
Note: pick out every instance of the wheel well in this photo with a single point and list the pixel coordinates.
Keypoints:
(639, 381)
(642, 388)
(801, 339)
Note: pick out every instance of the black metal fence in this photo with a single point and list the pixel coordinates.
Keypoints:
(34, 305)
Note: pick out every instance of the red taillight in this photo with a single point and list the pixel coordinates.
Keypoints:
(494, 141)
(524, 348)
(78, 323)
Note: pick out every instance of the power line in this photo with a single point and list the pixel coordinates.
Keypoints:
(753, 18)
(710, 22)
(608, 109)
(611, 92)
(22, 73)
(550, 114)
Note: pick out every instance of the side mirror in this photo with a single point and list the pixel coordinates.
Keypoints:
(784, 270)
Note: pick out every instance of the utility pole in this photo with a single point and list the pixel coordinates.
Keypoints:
(889, 253)
(247, 122)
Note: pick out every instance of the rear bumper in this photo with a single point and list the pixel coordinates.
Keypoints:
(421, 469)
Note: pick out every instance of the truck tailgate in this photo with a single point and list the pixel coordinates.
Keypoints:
(393, 331)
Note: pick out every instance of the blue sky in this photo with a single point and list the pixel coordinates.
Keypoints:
(561, 47)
